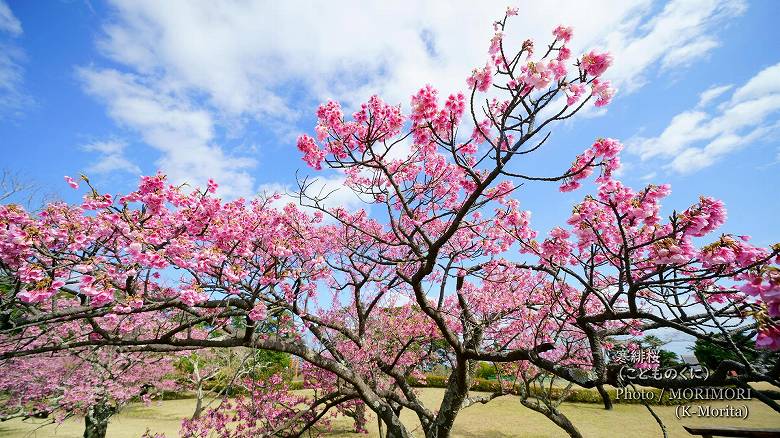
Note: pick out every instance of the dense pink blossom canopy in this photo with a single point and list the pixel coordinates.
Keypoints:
(446, 261)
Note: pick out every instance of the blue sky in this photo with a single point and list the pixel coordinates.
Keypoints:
(123, 88)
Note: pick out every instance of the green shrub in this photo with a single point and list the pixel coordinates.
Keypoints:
(485, 385)
(431, 381)
(485, 370)
(577, 395)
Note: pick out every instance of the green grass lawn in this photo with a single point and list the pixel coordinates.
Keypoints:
(503, 417)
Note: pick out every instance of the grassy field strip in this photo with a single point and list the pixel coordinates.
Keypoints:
(504, 417)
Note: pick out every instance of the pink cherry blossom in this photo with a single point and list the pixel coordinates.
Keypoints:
(73, 184)
(480, 79)
(603, 92)
(258, 312)
(440, 262)
(313, 155)
(595, 64)
(769, 338)
(564, 53)
(563, 33)
(573, 93)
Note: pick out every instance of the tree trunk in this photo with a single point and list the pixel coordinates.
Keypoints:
(198, 401)
(555, 416)
(457, 390)
(605, 397)
(564, 423)
(381, 427)
(96, 420)
(360, 418)
(198, 404)
(395, 429)
(385, 413)
(198, 391)
(390, 418)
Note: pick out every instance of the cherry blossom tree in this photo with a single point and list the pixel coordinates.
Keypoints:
(199, 369)
(226, 371)
(270, 407)
(445, 261)
(93, 382)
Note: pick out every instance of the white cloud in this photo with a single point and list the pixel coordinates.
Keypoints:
(687, 54)
(112, 158)
(683, 129)
(184, 135)
(241, 53)
(8, 22)
(712, 93)
(681, 33)
(764, 83)
(648, 176)
(697, 138)
(692, 159)
(196, 66)
(12, 97)
(11, 75)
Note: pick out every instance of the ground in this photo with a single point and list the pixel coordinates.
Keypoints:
(503, 417)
